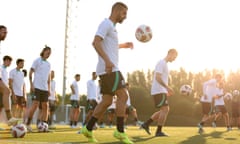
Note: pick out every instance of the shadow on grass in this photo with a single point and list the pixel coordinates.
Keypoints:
(141, 139)
(201, 139)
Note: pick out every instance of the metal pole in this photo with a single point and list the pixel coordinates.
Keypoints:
(65, 56)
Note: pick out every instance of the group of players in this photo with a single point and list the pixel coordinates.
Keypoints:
(93, 98)
(214, 102)
(13, 84)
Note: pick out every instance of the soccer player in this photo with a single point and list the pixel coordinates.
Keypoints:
(53, 99)
(160, 91)
(130, 109)
(92, 96)
(75, 102)
(209, 91)
(18, 88)
(4, 90)
(40, 85)
(112, 82)
(220, 108)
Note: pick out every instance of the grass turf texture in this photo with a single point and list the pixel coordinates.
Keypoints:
(177, 135)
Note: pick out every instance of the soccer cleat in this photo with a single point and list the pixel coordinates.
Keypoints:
(102, 126)
(88, 134)
(146, 128)
(159, 134)
(139, 123)
(214, 124)
(122, 137)
(13, 121)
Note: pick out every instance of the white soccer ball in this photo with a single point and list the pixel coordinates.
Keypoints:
(185, 89)
(227, 96)
(236, 92)
(19, 131)
(42, 127)
(143, 33)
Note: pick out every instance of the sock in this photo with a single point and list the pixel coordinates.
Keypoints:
(148, 122)
(71, 123)
(120, 124)
(38, 121)
(159, 129)
(91, 123)
(75, 123)
(29, 121)
(135, 119)
(201, 123)
(8, 114)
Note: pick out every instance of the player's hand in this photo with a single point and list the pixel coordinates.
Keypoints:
(170, 91)
(109, 67)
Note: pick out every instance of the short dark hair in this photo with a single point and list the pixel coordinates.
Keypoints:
(77, 75)
(19, 60)
(119, 5)
(2, 26)
(7, 57)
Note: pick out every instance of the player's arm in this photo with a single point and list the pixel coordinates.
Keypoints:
(126, 45)
(30, 79)
(49, 84)
(11, 88)
(72, 89)
(97, 44)
(161, 82)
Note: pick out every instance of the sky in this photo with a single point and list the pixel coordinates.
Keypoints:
(206, 34)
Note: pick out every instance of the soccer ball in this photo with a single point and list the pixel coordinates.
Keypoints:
(185, 89)
(227, 96)
(19, 131)
(143, 33)
(42, 127)
(236, 92)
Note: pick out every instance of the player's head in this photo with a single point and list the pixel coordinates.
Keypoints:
(52, 74)
(3, 32)
(94, 75)
(171, 55)
(20, 63)
(119, 12)
(77, 77)
(45, 53)
(7, 60)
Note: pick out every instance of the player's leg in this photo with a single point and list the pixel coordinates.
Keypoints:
(6, 103)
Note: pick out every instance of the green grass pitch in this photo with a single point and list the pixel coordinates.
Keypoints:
(63, 134)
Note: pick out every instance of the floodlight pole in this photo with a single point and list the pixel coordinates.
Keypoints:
(65, 56)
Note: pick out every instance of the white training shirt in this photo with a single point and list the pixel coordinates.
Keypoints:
(4, 75)
(99, 95)
(91, 90)
(53, 91)
(42, 70)
(219, 101)
(161, 68)
(128, 100)
(108, 32)
(210, 90)
(18, 82)
(113, 105)
(75, 96)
